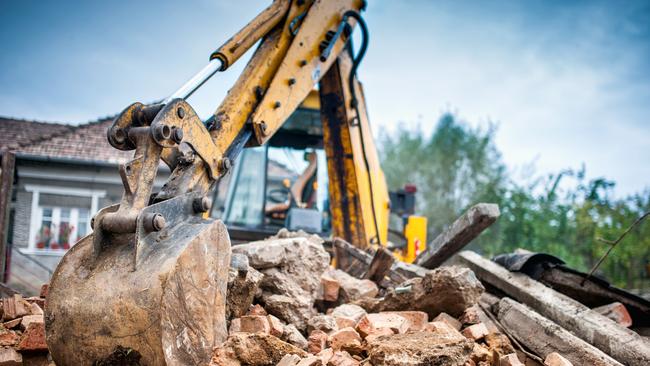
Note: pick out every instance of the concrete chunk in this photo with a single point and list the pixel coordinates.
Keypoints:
(420, 348)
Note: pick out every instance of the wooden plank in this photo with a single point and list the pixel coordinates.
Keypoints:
(380, 265)
(458, 235)
(6, 187)
(543, 336)
(622, 344)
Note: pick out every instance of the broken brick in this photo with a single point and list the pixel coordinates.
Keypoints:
(14, 307)
(344, 322)
(255, 324)
(453, 322)
(378, 333)
(555, 359)
(317, 341)
(369, 322)
(256, 309)
(617, 312)
(342, 358)
(470, 316)
(417, 319)
(33, 338)
(442, 327)
(12, 323)
(29, 319)
(346, 339)
(326, 323)
(476, 331)
(325, 355)
(510, 360)
(330, 288)
(275, 325)
(8, 337)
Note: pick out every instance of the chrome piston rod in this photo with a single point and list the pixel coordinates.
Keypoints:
(196, 81)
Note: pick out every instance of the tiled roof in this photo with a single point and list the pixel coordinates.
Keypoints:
(85, 142)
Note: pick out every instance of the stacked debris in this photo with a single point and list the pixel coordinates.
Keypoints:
(22, 333)
(287, 306)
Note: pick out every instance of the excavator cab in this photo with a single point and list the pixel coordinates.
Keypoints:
(282, 184)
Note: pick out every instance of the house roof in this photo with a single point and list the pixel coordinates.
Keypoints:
(86, 142)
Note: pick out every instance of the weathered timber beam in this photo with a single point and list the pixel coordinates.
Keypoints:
(380, 265)
(622, 344)
(543, 336)
(467, 227)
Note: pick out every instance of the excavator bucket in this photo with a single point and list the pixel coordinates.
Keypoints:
(155, 296)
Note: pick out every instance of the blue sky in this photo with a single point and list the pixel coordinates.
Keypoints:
(566, 82)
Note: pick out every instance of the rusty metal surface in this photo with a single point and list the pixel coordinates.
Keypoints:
(155, 307)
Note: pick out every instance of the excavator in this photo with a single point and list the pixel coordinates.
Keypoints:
(289, 146)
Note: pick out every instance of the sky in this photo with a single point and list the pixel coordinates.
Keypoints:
(566, 82)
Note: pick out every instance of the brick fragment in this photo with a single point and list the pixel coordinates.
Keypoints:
(317, 341)
(617, 312)
(346, 339)
(12, 323)
(342, 358)
(326, 323)
(369, 322)
(345, 322)
(325, 355)
(275, 325)
(9, 357)
(378, 333)
(33, 338)
(235, 326)
(256, 309)
(417, 319)
(293, 336)
(29, 319)
(14, 307)
(289, 360)
(330, 288)
(470, 316)
(355, 312)
(510, 360)
(8, 337)
(453, 322)
(255, 324)
(35, 309)
(310, 361)
(555, 359)
(476, 331)
(442, 328)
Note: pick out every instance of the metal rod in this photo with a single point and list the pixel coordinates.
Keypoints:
(196, 81)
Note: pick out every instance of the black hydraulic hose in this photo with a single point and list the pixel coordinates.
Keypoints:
(354, 103)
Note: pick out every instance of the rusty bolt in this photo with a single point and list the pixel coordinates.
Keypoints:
(225, 164)
(180, 112)
(154, 222)
(292, 81)
(177, 135)
(201, 204)
(162, 132)
(276, 105)
(303, 63)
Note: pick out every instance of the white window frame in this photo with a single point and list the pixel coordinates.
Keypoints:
(36, 212)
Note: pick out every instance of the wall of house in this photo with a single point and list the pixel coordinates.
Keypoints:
(30, 266)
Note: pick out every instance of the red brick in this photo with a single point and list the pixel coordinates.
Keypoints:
(317, 341)
(417, 319)
(617, 312)
(276, 326)
(342, 358)
(476, 331)
(33, 338)
(330, 288)
(555, 359)
(510, 360)
(370, 322)
(346, 339)
(453, 322)
(257, 309)
(345, 322)
(8, 337)
(378, 333)
(255, 324)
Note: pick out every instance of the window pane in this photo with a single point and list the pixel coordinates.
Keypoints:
(47, 213)
(65, 214)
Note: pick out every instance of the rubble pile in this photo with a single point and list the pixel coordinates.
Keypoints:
(22, 332)
(301, 311)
